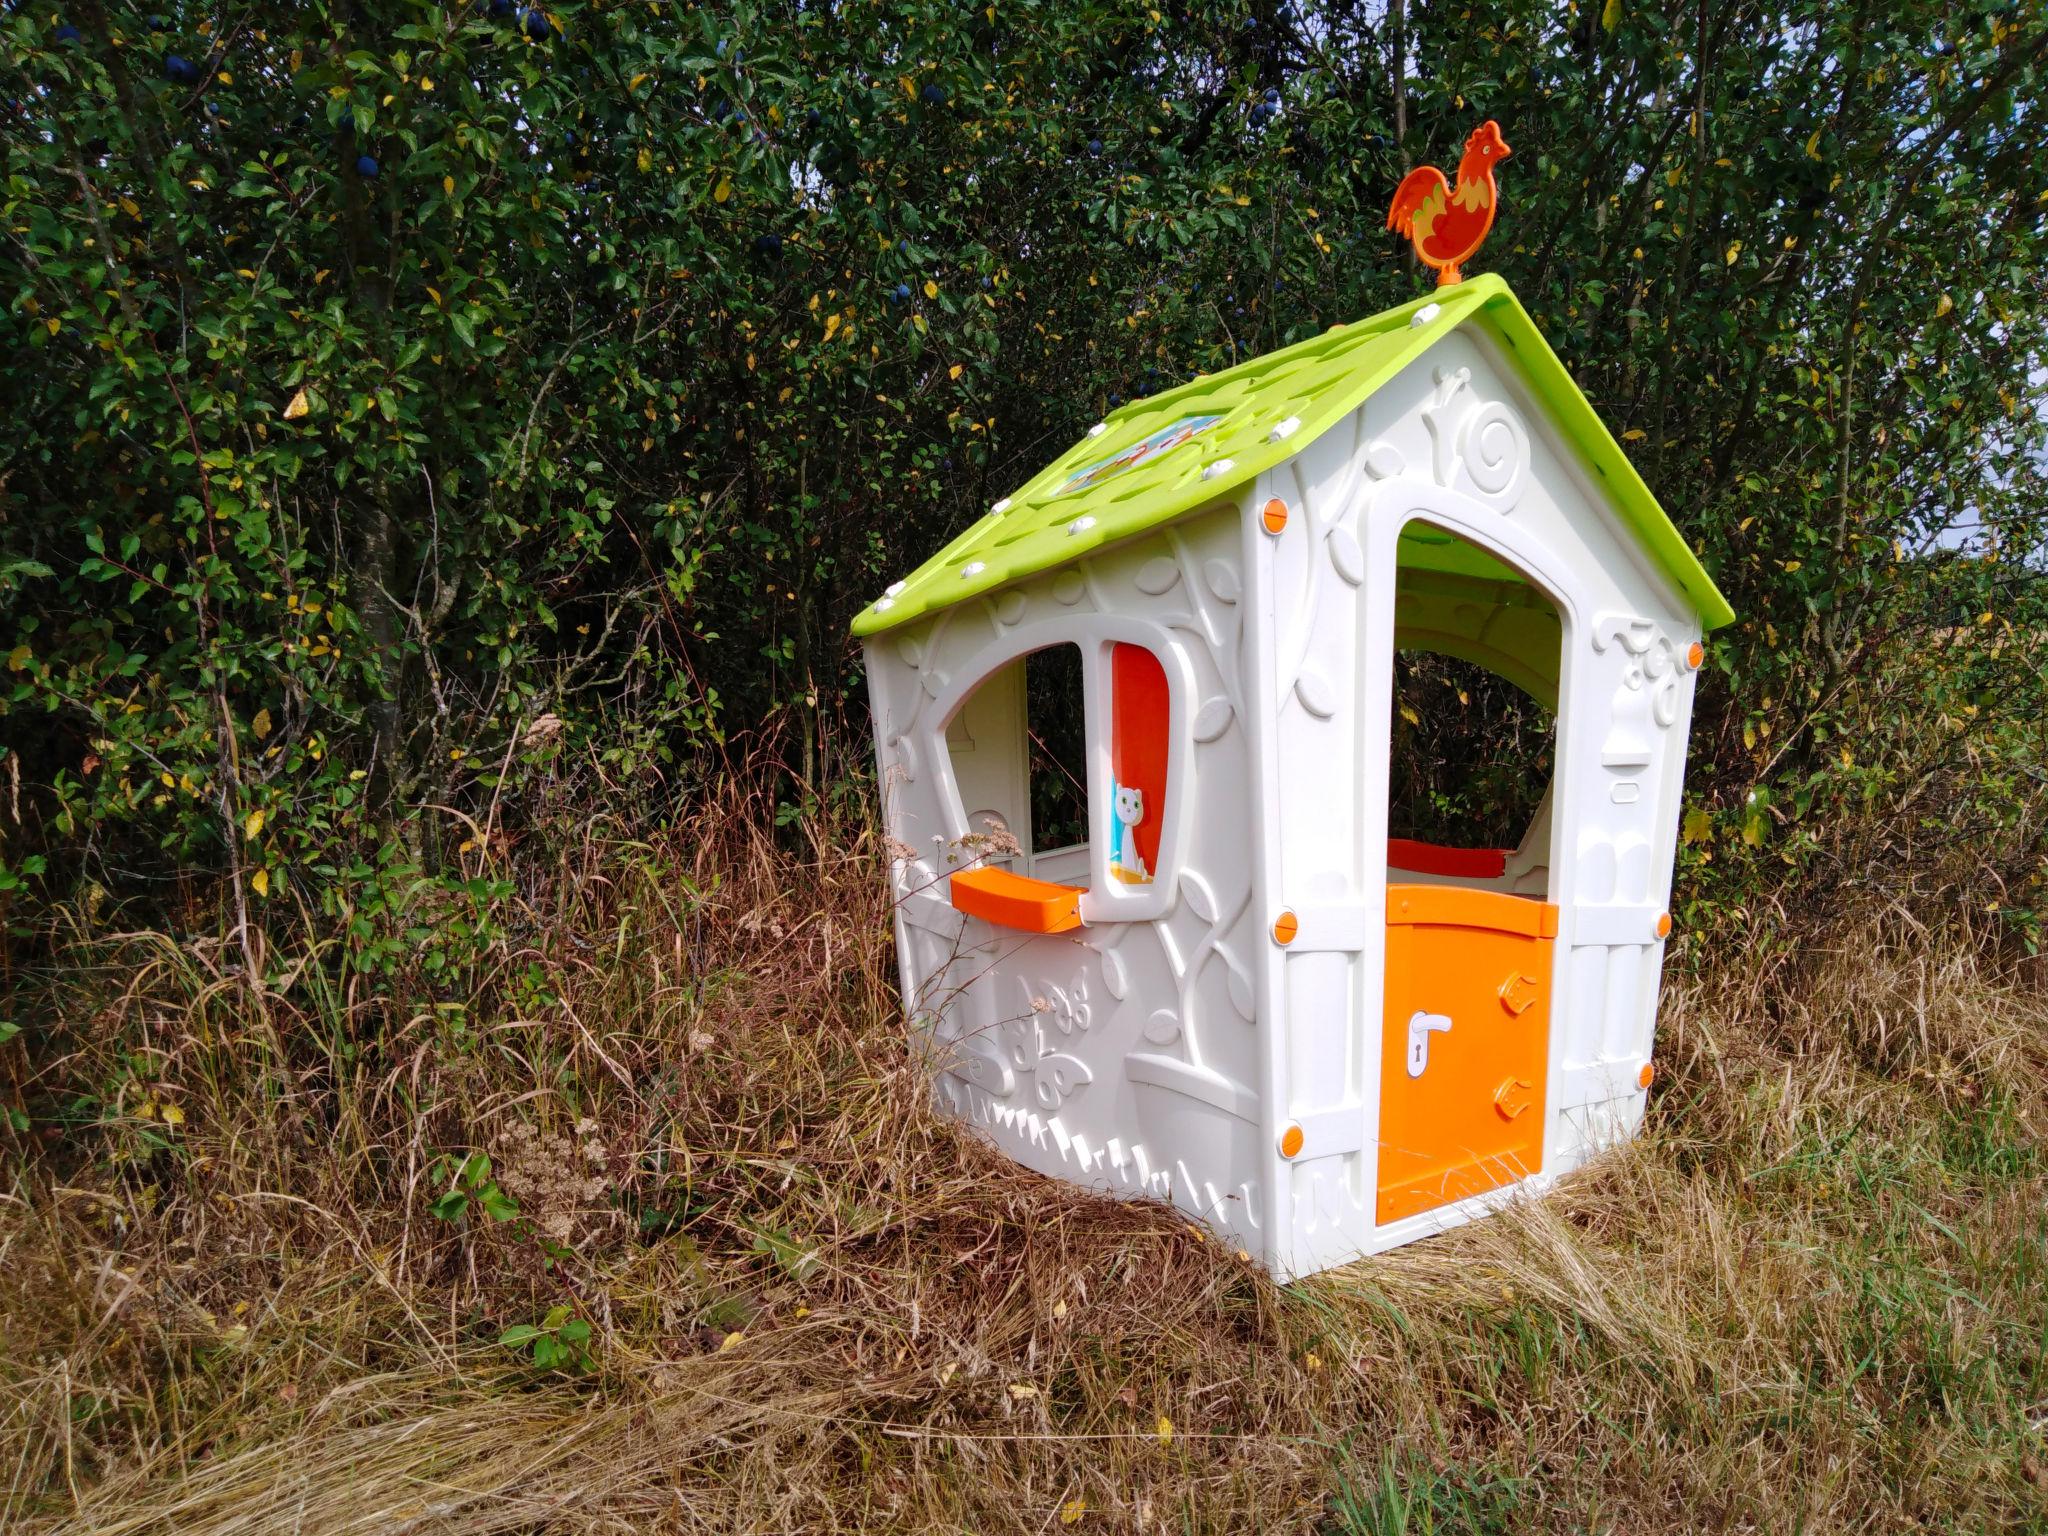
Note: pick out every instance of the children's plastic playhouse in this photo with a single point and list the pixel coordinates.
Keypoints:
(1223, 984)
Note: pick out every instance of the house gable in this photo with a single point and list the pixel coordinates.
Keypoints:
(1159, 459)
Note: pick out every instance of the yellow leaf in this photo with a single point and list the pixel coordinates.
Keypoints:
(260, 882)
(1408, 714)
(723, 190)
(634, 83)
(1072, 1511)
(644, 160)
(173, 1115)
(226, 78)
(448, 186)
(955, 371)
(1698, 827)
(1944, 305)
(297, 408)
(261, 724)
(1748, 738)
(1634, 435)
(128, 207)
(433, 293)
(1022, 1392)
(1165, 1429)
(732, 1340)
(253, 827)
(918, 322)
(53, 326)
(1793, 565)
(1734, 250)
(1813, 145)
(19, 658)
(1610, 15)
(426, 84)
(832, 323)
(931, 289)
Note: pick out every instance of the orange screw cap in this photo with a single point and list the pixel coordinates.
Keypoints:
(1647, 1075)
(1695, 654)
(1275, 515)
(1290, 1141)
(1285, 927)
(1663, 925)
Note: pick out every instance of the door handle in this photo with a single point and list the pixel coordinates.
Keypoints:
(1420, 1027)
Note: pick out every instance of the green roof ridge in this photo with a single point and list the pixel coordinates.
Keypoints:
(1265, 410)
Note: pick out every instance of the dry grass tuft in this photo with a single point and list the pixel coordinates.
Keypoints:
(1811, 1298)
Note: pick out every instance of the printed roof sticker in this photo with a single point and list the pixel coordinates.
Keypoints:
(1165, 440)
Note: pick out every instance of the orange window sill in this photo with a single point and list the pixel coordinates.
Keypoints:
(1016, 901)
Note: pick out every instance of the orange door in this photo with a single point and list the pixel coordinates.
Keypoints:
(1466, 1043)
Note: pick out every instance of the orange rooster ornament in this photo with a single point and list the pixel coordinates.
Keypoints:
(1445, 223)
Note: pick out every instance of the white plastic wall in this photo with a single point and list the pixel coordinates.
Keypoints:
(1123, 1055)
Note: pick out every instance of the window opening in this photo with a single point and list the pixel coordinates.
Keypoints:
(1478, 654)
(1139, 709)
(1056, 723)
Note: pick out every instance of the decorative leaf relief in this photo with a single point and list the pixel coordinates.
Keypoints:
(1010, 607)
(935, 682)
(911, 649)
(1240, 987)
(1059, 1075)
(1222, 578)
(1113, 978)
(974, 1060)
(1163, 1028)
(907, 760)
(1068, 586)
(1346, 556)
(1383, 461)
(1157, 575)
(1201, 900)
(1213, 718)
(1316, 696)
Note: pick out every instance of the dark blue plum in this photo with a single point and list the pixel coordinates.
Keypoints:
(180, 70)
(366, 166)
(536, 25)
(934, 95)
(768, 245)
(67, 34)
(1095, 146)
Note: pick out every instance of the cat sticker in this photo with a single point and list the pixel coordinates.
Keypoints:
(1126, 863)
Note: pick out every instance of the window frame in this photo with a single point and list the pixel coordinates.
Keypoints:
(1105, 900)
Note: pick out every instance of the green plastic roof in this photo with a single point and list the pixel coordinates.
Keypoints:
(1216, 432)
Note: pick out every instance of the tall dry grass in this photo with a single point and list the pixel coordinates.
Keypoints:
(1813, 1297)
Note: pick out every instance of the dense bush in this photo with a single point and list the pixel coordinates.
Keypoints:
(400, 396)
